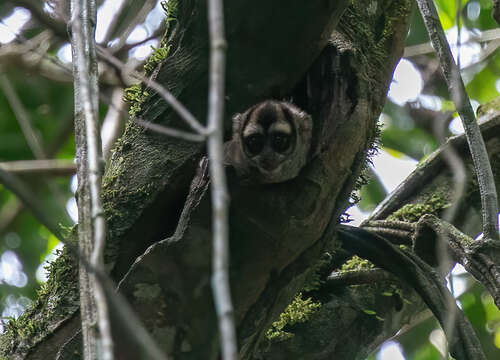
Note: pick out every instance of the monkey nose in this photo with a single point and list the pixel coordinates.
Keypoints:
(268, 165)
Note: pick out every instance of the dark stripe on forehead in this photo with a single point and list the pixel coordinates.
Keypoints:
(288, 114)
(268, 113)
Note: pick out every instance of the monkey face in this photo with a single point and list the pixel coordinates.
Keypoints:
(270, 142)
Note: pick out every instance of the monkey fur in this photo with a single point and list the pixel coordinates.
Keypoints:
(270, 142)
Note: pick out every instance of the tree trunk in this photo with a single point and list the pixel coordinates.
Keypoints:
(278, 233)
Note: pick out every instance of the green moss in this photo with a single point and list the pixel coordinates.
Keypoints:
(315, 277)
(171, 11)
(355, 264)
(135, 95)
(413, 212)
(57, 300)
(299, 311)
(155, 58)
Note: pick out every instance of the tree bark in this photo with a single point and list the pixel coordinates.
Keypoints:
(278, 232)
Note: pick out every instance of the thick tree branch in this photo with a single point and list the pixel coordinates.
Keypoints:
(431, 181)
(462, 340)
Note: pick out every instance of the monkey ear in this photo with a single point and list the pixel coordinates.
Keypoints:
(307, 121)
(237, 124)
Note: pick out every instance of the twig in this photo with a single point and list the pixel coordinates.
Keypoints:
(176, 105)
(113, 22)
(112, 125)
(22, 117)
(123, 68)
(52, 167)
(36, 9)
(463, 342)
(184, 135)
(116, 109)
(155, 35)
(480, 260)
(346, 278)
(31, 54)
(92, 231)
(120, 305)
(30, 200)
(30, 133)
(138, 18)
(474, 138)
(457, 167)
(486, 36)
(220, 199)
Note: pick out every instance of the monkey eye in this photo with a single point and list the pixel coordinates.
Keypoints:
(254, 143)
(280, 142)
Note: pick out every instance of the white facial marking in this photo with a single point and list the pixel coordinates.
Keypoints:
(282, 127)
(252, 128)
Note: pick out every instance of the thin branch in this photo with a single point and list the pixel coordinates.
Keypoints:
(398, 232)
(346, 278)
(459, 96)
(36, 9)
(22, 117)
(50, 167)
(480, 260)
(488, 50)
(165, 130)
(31, 55)
(92, 232)
(457, 167)
(113, 124)
(127, 47)
(116, 109)
(105, 55)
(113, 22)
(30, 200)
(139, 18)
(487, 36)
(30, 133)
(462, 341)
(220, 199)
(176, 105)
(130, 321)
